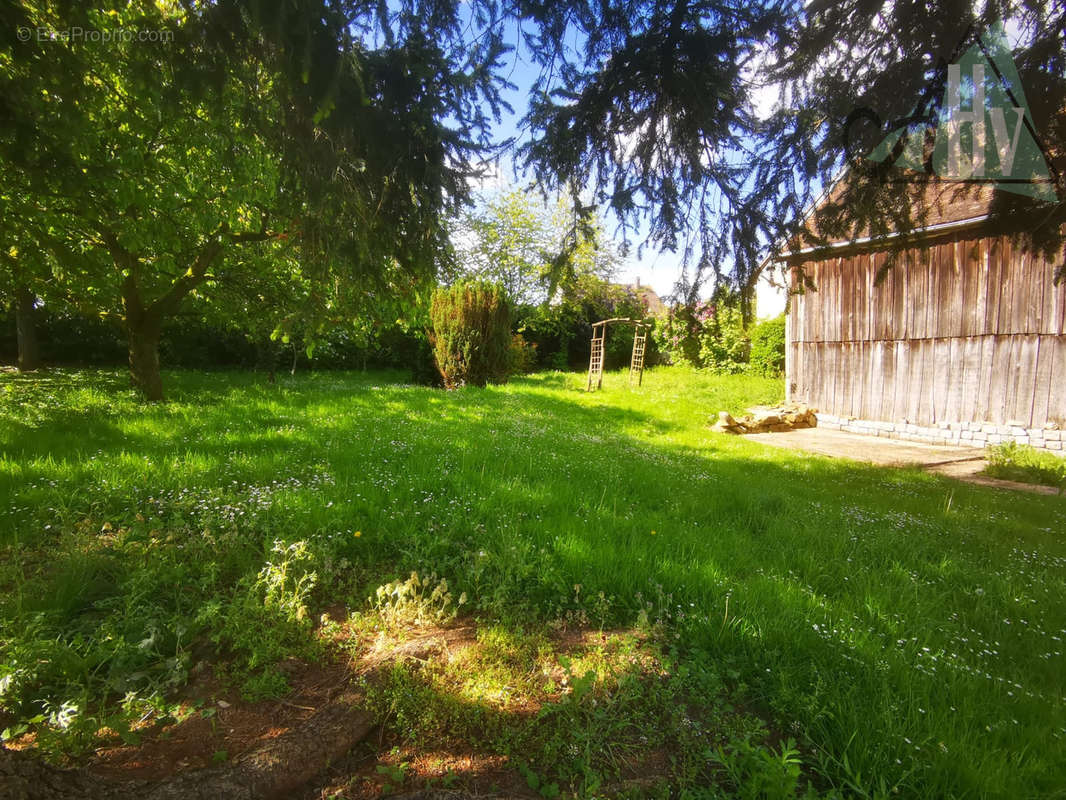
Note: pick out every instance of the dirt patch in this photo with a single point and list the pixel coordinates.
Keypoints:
(365, 774)
(220, 726)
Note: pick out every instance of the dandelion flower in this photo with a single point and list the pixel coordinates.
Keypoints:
(357, 534)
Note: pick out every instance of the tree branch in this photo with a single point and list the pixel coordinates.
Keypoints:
(168, 303)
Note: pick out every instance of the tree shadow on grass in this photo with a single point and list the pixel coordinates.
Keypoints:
(799, 574)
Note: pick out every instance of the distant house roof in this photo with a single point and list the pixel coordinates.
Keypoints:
(653, 304)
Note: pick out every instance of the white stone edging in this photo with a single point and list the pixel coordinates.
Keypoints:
(959, 434)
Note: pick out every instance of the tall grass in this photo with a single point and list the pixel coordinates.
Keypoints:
(906, 629)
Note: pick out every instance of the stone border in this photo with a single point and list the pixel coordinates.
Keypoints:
(959, 434)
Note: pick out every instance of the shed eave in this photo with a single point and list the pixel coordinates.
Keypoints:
(916, 233)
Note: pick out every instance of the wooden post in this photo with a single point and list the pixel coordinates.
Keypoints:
(636, 360)
(596, 356)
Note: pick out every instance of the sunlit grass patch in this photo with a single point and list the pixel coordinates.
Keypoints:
(906, 630)
(1023, 463)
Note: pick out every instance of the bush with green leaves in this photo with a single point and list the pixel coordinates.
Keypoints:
(767, 357)
(471, 334)
(1016, 462)
(523, 355)
(711, 335)
(724, 344)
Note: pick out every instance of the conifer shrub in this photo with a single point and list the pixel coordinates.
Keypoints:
(471, 334)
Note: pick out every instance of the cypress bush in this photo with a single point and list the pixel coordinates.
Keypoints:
(471, 334)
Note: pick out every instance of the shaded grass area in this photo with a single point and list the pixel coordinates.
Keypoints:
(1014, 462)
(906, 629)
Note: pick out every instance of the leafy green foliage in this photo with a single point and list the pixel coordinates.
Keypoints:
(523, 354)
(706, 334)
(532, 249)
(263, 164)
(757, 772)
(561, 331)
(712, 335)
(1016, 462)
(471, 334)
(724, 344)
(767, 356)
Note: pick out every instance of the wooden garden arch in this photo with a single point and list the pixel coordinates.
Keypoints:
(636, 361)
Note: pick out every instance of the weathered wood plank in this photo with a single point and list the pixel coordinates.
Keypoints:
(951, 304)
(1057, 324)
(933, 295)
(861, 384)
(847, 299)
(1024, 379)
(980, 309)
(868, 299)
(982, 411)
(850, 358)
(970, 386)
(899, 299)
(895, 401)
(876, 382)
(942, 355)
(1042, 384)
(999, 295)
(971, 278)
(924, 367)
(1057, 382)
(999, 375)
(1041, 292)
(953, 371)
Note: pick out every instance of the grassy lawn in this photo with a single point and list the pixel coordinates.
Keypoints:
(905, 630)
(1026, 464)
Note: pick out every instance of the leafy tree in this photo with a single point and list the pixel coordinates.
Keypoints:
(260, 140)
(531, 248)
(507, 241)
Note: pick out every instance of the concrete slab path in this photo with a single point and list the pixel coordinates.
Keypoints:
(961, 463)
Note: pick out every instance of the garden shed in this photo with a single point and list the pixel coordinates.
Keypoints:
(962, 341)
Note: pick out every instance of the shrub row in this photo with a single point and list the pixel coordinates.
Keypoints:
(712, 336)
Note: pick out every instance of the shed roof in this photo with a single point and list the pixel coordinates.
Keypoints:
(930, 206)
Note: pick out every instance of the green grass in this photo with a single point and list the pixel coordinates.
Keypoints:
(904, 628)
(1023, 463)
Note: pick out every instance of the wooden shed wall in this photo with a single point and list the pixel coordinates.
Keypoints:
(963, 330)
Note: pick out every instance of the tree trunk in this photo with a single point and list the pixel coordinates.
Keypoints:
(144, 360)
(29, 357)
